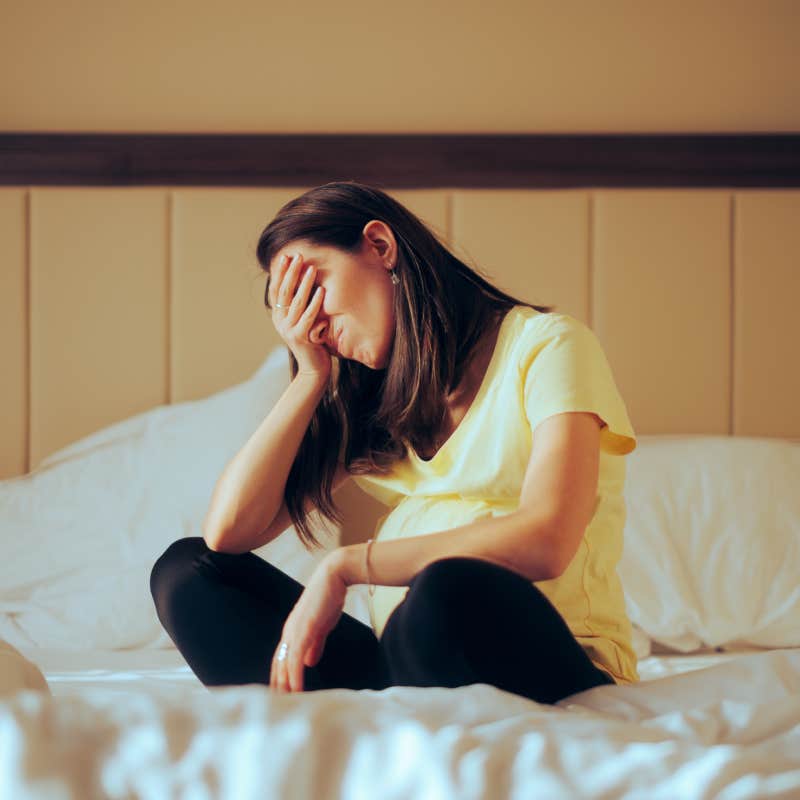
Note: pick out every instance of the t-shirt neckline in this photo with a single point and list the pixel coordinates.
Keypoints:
(477, 400)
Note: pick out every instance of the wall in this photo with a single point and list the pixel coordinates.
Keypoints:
(526, 66)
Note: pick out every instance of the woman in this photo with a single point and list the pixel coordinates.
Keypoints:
(497, 561)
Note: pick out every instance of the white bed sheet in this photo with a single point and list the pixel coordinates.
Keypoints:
(67, 671)
(140, 725)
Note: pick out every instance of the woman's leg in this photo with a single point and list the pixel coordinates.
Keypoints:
(226, 611)
(465, 620)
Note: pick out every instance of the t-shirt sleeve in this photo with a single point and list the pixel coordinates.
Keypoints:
(564, 368)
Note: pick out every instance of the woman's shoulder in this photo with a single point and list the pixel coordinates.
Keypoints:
(545, 321)
(533, 328)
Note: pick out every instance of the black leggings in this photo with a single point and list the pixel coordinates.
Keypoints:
(462, 621)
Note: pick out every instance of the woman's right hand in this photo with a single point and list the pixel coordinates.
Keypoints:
(295, 320)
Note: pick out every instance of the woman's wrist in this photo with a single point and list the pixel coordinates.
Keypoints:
(348, 563)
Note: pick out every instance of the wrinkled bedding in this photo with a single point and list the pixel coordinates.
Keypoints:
(139, 724)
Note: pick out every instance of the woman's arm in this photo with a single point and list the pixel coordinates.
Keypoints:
(519, 541)
(538, 540)
(249, 493)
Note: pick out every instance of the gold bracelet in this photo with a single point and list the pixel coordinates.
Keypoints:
(370, 585)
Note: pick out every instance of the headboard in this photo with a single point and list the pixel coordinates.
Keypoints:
(129, 278)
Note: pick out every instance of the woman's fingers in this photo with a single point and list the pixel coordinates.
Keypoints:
(277, 278)
(296, 676)
(301, 295)
(287, 287)
(294, 669)
(276, 669)
(286, 675)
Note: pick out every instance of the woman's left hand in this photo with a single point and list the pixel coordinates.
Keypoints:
(307, 627)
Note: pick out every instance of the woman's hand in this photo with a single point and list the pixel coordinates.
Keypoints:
(307, 627)
(295, 320)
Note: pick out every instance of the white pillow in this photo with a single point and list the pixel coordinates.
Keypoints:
(712, 541)
(640, 642)
(80, 533)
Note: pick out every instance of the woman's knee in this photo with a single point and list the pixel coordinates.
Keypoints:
(432, 604)
(455, 592)
(175, 561)
(450, 581)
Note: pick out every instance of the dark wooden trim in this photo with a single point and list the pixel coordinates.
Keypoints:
(401, 160)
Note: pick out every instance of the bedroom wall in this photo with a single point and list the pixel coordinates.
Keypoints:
(352, 66)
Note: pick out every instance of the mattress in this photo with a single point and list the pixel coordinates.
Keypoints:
(69, 671)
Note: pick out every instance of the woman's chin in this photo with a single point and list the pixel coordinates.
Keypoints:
(365, 357)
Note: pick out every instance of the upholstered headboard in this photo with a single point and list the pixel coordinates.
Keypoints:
(129, 276)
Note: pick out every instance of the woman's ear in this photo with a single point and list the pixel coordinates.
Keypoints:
(320, 332)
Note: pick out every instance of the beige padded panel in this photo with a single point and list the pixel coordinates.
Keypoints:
(531, 244)
(98, 310)
(13, 333)
(766, 337)
(221, 330)
(661, 304)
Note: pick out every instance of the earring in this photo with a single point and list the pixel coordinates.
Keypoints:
(395, 276)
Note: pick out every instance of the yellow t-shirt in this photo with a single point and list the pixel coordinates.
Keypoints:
(542, 364)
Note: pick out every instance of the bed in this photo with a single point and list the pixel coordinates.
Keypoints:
(140, 726)
(95, 701)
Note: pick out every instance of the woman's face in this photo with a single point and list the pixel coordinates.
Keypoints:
(358, 295)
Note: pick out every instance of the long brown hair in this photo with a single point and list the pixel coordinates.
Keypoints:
(443, 309)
